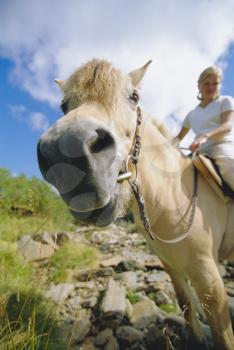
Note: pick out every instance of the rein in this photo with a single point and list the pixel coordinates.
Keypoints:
(133, 157)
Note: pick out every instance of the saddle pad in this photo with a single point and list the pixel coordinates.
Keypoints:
(206, 167)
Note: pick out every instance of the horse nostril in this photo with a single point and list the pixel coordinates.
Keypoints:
(103, 141)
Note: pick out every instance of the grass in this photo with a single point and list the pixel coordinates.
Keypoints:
(28, 322)
(15, 273)
(12, 228)
(168, 308)
(134, 297)
(72, 256)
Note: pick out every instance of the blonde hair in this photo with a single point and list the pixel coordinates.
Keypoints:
(212, 70)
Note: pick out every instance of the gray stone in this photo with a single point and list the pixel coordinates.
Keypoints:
(87, 285)
(130, 264)
(113, 261)
(222, 270)
(163, 298)
(80, 330)
(60, 292)
(89, 302)
(144, 313)
(112, 344)
(46, 238)
(75, 302)
(158, 276)
(33, 250)
(114, 299)
(130, 279)
(145, 259)
(103, 337)
(129, 334)
(87, 344)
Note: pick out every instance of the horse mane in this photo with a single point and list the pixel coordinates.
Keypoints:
(97, 80)
(162, 128)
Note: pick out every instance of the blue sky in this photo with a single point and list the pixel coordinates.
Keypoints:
(40, 41)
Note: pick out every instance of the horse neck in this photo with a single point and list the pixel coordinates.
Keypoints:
(162, 165)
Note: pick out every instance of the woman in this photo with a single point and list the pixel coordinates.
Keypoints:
(212, 122)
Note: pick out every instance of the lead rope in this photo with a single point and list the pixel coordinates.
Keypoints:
(134, 157)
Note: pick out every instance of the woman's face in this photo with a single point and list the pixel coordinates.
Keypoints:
(209, 87)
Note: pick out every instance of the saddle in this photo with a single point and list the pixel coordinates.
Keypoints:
(210, 170)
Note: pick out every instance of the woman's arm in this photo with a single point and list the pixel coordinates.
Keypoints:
(182, 133)
(227, 121)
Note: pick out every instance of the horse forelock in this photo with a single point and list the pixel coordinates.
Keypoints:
(99, 81)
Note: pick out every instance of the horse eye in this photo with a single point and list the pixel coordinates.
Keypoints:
(64, 107)
(134, 97)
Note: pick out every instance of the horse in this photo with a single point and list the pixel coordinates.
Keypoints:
(85, 153)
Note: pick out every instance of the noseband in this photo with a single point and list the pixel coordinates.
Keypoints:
(133, 157)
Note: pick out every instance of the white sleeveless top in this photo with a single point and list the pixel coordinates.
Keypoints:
(204, 119)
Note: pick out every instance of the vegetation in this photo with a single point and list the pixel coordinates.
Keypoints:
(28, 321)
(71, 256)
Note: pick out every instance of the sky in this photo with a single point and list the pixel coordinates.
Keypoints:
(43, 40)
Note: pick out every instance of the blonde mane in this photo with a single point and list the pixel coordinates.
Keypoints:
(97, 80)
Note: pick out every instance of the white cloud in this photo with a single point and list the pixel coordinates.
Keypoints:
(38, 121)
(18, 112)
(48, 39)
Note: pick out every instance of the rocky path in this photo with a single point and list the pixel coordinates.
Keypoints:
(127, 302)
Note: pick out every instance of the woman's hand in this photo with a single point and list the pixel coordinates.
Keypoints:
(198, 142)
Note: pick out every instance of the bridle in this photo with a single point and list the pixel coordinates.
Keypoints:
(133, 157)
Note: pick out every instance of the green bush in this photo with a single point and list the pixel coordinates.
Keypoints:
(21, 196)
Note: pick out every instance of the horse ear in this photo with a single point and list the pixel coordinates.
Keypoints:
(60, 83)
(137, 74)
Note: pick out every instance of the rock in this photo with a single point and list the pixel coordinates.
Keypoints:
(74, 303)
(86, 345)
(130, 264)
(144, 313)
(231, 308)
(46, 238)
(87, 285)
(129, 309)
(130, 279)
(138, 346)
(129, 335)
(103, 337)
(158, 276)
(163, 298)
(33, 250)
(155, 338)
(89, 302)
(112, 344)
(222, 270)
(176, 323)
(60, 292)
(112, 261)
(80, 330)
(62, 238)
(105, 272)
(145, 259)
(114, 299)
(97, 237)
